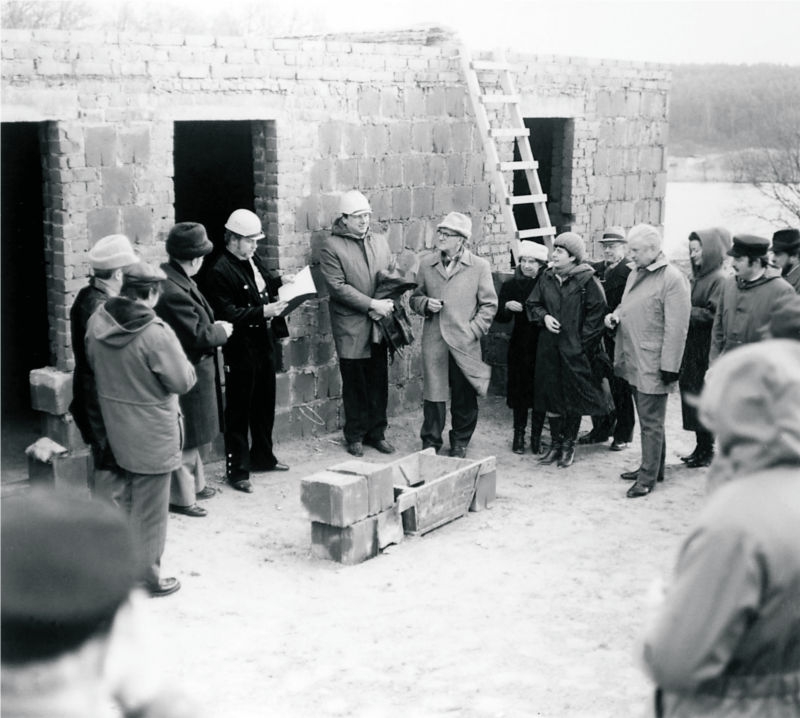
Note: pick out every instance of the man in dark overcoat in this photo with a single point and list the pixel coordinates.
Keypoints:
(242, 291)
(612, 273)
(186, 310)
(786, 255)
(107, 258)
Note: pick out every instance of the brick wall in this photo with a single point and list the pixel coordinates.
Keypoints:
(391, 119)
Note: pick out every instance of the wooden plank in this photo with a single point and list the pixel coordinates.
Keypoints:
(541, 232)
(442, 500)
(524, 165)
(500, 99)
(490, 65)
(509, 132)
(527, 198)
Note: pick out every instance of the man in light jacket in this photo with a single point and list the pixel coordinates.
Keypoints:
(651, 323)
(140, 369)
(456, 295)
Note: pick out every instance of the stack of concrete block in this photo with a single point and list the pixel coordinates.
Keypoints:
(51, 394)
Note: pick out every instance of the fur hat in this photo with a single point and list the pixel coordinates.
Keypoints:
(188, 240)
(786, 240)
(112, 252)
(784, 323)
(573, 243)
(457, 222)
(532, 249)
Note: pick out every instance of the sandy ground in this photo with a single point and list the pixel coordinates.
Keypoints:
(532, 608)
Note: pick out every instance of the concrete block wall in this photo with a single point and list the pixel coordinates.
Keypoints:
(391, 119)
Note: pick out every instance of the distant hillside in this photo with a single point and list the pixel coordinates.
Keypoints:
(720, 108)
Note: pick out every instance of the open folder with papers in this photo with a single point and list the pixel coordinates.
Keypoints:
(298, 291)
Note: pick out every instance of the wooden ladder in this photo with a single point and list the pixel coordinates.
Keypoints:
(513, 128)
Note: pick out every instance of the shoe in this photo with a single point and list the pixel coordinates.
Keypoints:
(567, 454)
(536, 445)
(690, 457)
(554, 454)
(618, 445)
(277, 466)
(637, 490)
(458, 452)
(702, 459)
(206, 493)
(165, 587)
(381, 445)
(356, 448)
(193, 510)
(242, 485)
(630, 475)
(262, 466)
(518, 442)
(591, 438)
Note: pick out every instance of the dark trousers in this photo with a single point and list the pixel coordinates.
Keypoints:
(365, 395)
(463, 411)
(249, 407)
(619, 422)
(652, 410)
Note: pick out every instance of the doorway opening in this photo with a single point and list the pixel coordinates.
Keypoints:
(551, 144)
(24, 343)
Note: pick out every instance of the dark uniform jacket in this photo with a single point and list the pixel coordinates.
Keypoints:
(612, 280)
(231, 289)
(186, 310)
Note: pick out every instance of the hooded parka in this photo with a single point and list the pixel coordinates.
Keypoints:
(653, 323)
(706, 284)
(140, 369)
(470, 303)
(726, 642)
(570, 365)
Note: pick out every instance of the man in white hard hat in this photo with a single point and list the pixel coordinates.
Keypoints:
(242, 291)
(107, 258)
(350, 260)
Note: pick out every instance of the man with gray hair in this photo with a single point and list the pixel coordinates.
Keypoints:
(651, 324)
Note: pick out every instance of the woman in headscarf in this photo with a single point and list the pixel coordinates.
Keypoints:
(707, 248)
(569, 303)
(531, 259)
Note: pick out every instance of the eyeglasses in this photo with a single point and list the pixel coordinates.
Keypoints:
(445, 233)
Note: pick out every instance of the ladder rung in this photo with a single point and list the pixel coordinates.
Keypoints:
(490, 65)
(527, 199)
(509, 132)
(507, 166)
(501, 99)
(541, 232)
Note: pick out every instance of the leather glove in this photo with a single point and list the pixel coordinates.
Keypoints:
(669, 376)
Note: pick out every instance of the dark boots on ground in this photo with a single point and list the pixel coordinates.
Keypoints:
(571, 426)
(556, 440)
(703, 453)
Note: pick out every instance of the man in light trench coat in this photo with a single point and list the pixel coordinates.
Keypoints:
(651, 324)
(456, 295)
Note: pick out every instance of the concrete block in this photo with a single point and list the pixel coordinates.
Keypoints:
(389, 527)
(117, 185)
(134, 146)
(51, 390)
(70, 471)
(400, 137)
(401, 203)
(423, 201)
(349, 545)
(335, 499)
(101, 147)
(101, 222)
(379, 482)
(63, 430)
(137, 224)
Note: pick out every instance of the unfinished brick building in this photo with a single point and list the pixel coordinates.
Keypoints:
(105, 133)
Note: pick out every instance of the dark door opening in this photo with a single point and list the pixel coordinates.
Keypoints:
(548, 138)
(24, 341)
(213, 174)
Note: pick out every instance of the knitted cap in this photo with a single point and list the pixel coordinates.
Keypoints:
(573, 243)
(112, 252)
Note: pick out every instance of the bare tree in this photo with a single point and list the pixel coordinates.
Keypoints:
(36, 14)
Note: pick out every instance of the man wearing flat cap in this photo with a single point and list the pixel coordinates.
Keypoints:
(455, 293)
(747, 299)
(140, 369)
(186, 310)
(786, 253)
(107, 258)
(242, 291)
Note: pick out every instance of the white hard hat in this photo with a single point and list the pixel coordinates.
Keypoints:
(245, 223)
(353, 202)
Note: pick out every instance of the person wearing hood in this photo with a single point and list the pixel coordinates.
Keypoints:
(786, 255)
(651, 323)
(531, 260)
(350, 260)
(571, 362)
(707, 249)
(747, 299)
(726, 638)
(455, 293)
(140, 369)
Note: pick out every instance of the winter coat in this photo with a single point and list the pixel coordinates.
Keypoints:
(523, 340)
(653, 323)
(793, 277)
(706, 285)
(470, 303)
(186, 310)
(570, 365)
(727, 639)
(613, 280)
(350, 265)
(139, 369)
(85, 408)
(231, 290)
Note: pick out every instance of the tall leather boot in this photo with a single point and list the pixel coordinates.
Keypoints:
(537, 424)
(571, 426)
(556, 440)
(520, 420)
(704, 453)
(518, 444)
